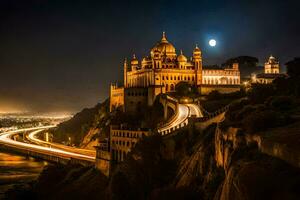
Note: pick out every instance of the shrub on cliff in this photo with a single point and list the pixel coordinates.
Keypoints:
(185, 89)
(281, 103)
(215, 100)
(262, 120)
(214, 95)
(234, 108)
(259, 93)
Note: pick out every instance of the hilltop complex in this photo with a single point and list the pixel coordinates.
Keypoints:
(162, 70)
(271, 72)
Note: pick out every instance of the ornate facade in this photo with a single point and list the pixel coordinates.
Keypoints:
(163, 69)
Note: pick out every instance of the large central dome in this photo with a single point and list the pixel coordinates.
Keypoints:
(164, 47)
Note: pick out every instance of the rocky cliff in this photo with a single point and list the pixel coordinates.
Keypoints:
(211, 164)
(249, 172)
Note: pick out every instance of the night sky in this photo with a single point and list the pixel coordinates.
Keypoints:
(62, 55)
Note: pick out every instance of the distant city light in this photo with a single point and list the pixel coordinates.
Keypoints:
(212, 42)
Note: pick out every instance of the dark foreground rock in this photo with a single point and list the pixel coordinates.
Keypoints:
(212, 164)
(64, 182)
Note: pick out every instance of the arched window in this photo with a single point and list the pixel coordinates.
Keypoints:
(167, 87)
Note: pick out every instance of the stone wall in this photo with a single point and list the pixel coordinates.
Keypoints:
(103, 161)
(116, 97)
(135, 99)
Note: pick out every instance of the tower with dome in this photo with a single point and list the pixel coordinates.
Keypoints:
(160, 71)
(271, 72)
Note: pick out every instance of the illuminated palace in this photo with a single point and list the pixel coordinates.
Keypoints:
(162, 70)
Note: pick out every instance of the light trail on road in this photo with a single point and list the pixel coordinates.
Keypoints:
(32, 137)
(6, 139)
(184, 112)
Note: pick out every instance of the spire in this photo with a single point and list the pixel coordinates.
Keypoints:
(197, 49)
(181, 52)
(133, 56)
(125, 61)
(164, 38)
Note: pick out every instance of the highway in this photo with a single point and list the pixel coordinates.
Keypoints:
(50, 149)
(181, 118)
(34, 144)
(32, 137)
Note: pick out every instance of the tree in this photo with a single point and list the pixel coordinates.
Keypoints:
(247, 64)
(293, 67)
(293, 70)
(260, 92)
(185, 89)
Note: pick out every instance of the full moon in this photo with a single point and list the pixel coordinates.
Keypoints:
(212, 42)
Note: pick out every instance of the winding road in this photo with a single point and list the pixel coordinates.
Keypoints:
(32, 137)
(43, 147)
(181, 118)
(34, 144)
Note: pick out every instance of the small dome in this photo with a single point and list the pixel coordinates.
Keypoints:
(134, 60)
(164, 47)
(272, 59)
(181, 58)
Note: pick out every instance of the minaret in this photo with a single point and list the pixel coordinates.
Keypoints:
(134, 63)
(164, 38)
(197, 58)
(125, 72)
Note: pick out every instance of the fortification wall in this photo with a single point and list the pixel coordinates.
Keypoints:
(116, 97)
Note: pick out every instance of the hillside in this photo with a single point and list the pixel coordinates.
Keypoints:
(85, 121)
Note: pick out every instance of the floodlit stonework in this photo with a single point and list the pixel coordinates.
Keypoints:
(122, 140)
(163, 69)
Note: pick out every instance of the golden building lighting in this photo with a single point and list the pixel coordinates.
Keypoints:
(160, 72)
